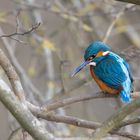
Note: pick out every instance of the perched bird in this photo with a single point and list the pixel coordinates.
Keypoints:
(109, 70)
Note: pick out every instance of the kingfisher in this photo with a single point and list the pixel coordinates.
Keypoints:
(110, 71)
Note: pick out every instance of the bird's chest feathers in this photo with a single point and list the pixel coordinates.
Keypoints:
(101, 84)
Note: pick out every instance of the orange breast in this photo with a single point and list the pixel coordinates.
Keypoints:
(102, 85)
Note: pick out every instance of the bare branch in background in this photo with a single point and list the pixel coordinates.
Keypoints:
(137, 2)
(110, 28)
(33, 28)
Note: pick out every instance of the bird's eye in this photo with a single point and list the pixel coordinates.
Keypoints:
(91, 58)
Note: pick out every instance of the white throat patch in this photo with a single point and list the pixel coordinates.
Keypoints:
(92, 63)
(105, 53)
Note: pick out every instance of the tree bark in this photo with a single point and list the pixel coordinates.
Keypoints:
(20, 111)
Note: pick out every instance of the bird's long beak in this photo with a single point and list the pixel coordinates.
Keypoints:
(80, 68)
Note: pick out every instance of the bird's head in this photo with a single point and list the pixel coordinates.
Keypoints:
(94, 53)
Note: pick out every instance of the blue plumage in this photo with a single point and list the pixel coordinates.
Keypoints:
(112, 71)
(94, 48)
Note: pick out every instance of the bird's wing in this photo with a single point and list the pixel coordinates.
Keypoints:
(112, 71)
(128, 68)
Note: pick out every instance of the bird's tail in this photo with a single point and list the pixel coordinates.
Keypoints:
(125, 97)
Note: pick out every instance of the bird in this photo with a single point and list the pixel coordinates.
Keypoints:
(109, 70)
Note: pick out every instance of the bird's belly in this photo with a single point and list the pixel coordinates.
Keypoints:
(102, 85)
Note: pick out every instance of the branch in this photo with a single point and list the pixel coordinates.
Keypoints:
(68, 120)
(128, 122)
(34, 27)
(83, 123)
(137, 2)
(126, 135)
(12, 75)
(80, 122)
(22, 114)
(69, 101)
(111, 26)
(116, 119)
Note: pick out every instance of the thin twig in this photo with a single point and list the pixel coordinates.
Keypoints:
(34, 27)
(137, 2)
(17, 20)
(20, 41)
(109, 30)
(126, 135)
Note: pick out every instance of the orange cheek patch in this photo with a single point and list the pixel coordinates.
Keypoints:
(100, 53)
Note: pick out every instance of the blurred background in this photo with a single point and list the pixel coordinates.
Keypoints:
(45, 58)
